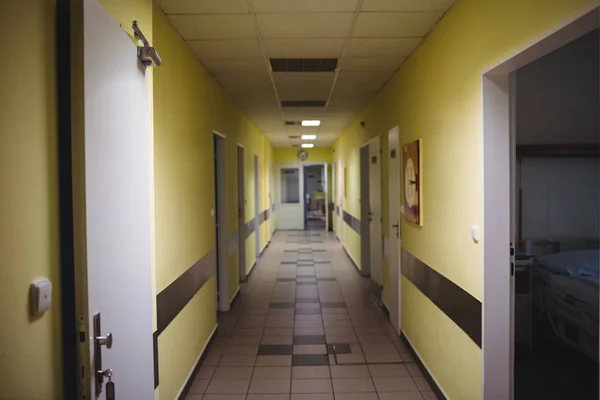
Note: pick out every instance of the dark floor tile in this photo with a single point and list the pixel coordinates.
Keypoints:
(286, 279)
(308, 311)
(340, 348)
(305, 276)
(308, 300)
(309, 339)
(322, 262)
(275, 350)
(320, 250)
(282, 305)
(338, 304)
(309, 360)
(306, 283)
(328, 279)
(288, 262)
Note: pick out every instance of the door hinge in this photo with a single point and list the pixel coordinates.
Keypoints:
(512, 263)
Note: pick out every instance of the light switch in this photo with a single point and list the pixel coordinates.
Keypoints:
(475, 233)
(212, 212)
(41, 295)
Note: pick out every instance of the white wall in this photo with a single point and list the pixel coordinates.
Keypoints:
(561, 197)
(557, 95)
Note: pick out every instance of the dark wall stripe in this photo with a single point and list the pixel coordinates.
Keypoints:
(354, 223)
(172, 299)
(262, 217)
(155, 349)
(460, 306)
(233, 243)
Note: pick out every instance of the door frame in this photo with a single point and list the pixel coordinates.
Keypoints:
(340, 200)
(498, 91)
(325, 189)
(257, 223)
(395, 279)
(376, 287)
(221, 221)
(241, 187)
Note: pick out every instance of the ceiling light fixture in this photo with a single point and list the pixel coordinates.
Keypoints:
(309, 137)
(311, 123)
(307, 145)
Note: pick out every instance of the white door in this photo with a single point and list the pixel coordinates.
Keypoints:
(394, 243)
(118, 189)
(376, 237)
(326, 190)
(340, 200)
(290, 208)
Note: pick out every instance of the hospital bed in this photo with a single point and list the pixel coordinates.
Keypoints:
(565, 286)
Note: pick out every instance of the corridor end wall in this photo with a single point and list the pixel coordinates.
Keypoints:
(436, 96)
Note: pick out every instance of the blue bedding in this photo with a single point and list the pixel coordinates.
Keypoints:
(581, 264)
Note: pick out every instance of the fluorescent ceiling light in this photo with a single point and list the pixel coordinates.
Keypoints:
(311, 123)
(307, 145)
(309, 137)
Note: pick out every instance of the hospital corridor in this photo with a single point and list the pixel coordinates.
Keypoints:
(299, 199)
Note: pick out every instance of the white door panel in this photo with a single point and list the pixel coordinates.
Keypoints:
(290, 207)
(118, 172)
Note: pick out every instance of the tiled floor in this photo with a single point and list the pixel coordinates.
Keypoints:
(304, 328)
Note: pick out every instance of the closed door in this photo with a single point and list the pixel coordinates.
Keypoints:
(340, 200)
(256, 211)
(241, 215)
(290, 208)
(375, 236)
(394, 247)
(112, 211)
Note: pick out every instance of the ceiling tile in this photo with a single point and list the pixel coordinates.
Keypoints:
(396, 47)
(371, 64)
(305, 25)
(235, 64)
(204, 6)
(241, 48)
(270, 6)
(363, 77)
(197, 27)
(303, 77)
(304, 48)
(406, 5)
(391, 25)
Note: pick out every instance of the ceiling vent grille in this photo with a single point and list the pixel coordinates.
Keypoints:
(303, 103)
(294, 137)
(295, 145)
(303, 64)
(293, 123)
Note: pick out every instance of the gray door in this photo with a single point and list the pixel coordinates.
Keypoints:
(256, 209)
(241, 214)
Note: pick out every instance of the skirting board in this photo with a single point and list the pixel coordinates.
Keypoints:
(351, 259)
(234, 297)
(251, 269)
(435, 386)
(192, 375)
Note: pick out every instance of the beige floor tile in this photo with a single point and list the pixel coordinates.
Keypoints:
(273, 361)
(311, 386)
(422, 383)
(241, 349)
(352, 385)
(311, 372)
(205, 372)
(239, 386)
(383, 358)
(395, 384)
(224, 397)
(263, 396)
(266, 386)
(272, 372)
(312, 396)
(350, 371)
(414, 370)
(401, 396)
(237, 361)
(388, 370)
(428, 395)
(199, 386)
(277, 340)
(232, 373)
(356, 396)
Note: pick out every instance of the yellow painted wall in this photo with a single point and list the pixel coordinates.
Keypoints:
(290, 155)
(30, 348)
(436, 97)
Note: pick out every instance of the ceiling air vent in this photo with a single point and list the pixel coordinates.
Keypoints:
(303, 103)
(303, 64)
(295, 145)
(294, 137)
(293, 123)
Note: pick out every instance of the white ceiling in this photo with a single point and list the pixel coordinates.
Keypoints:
(235, 39)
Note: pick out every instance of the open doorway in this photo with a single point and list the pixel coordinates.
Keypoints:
(522, 274)
(315, 195)
(222, 253)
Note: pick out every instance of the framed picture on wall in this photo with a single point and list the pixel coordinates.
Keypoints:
(412, 182)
